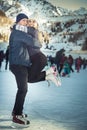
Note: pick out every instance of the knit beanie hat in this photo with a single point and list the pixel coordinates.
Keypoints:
(20, 17)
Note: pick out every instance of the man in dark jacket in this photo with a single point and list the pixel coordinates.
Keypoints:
(19, 61)
(58, 57)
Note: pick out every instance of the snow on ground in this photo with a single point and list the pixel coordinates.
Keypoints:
(49, 108)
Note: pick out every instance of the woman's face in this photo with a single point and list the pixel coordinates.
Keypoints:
(32, 23)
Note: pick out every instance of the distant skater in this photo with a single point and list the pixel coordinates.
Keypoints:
(1, 58)
(7, 58)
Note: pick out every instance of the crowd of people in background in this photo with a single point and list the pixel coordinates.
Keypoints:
(65, 64)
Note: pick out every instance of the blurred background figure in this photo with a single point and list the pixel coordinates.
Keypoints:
(7, 58)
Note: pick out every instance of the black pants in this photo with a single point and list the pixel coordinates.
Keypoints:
(39, 61)
(21, 75)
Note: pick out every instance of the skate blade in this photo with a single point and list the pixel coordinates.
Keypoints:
(16, 125)
(59, 83)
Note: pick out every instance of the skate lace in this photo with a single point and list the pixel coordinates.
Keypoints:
(55, 70)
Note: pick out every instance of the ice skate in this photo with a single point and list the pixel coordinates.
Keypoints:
(53, 78)
(20, 121)
(52, 70)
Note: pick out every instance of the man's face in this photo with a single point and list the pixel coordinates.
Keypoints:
(23, 22)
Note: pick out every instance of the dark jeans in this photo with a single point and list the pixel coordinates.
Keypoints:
(21, 75)
(39, 61)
